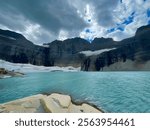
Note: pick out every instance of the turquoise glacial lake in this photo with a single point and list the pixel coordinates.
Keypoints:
(110, 91)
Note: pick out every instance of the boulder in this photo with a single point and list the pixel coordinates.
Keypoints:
(54, 103)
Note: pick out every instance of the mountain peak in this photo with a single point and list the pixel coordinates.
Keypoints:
(143, 29)
(102, 40)
(11, 34)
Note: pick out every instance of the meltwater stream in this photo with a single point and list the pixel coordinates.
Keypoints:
(110, 91)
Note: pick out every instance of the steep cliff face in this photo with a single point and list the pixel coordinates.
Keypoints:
(102, 53)
(16, 48)
(135, 51)
(65, 53)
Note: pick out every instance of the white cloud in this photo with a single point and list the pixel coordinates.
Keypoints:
(49, 20)
(63, 35)
(123, 11)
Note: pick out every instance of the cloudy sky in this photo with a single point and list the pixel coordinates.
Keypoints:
(43, 21)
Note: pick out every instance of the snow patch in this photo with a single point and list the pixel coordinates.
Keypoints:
(97, 52)
(8, 37)
(5, 76)
(26, 68)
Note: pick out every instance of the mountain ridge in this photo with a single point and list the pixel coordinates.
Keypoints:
(15, 48)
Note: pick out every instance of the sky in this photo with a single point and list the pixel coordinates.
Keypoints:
(43, 21)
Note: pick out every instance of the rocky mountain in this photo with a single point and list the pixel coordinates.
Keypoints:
(130, 54)
(17, 49)
(102, 54)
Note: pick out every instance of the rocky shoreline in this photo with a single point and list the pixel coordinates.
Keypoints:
(54, 103)
(6, 73)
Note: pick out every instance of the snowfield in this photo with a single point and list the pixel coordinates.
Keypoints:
(25, 68)
(91, 53)
(8, 37)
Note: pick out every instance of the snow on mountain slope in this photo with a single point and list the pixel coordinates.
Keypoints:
(97, 52)
(7, 37)
(25, 68)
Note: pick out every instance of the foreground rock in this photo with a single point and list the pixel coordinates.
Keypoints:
(54, 103)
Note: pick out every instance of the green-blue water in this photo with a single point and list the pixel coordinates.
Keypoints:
(111, 91)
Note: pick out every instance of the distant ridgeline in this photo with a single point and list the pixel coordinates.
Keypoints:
(102, 54)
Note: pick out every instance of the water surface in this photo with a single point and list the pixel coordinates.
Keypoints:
(111, 91)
